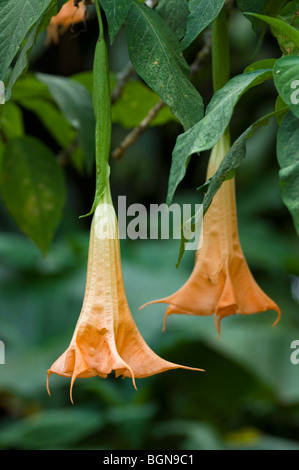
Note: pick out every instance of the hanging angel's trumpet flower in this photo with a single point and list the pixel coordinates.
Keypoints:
(106, 337)
(67, 16)
(221, 282)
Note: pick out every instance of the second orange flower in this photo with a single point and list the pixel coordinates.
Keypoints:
(221, 282)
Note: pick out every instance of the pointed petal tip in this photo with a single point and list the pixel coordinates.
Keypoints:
(134, 383)
(165, 300)
(71, 388)
(164, 322)
(196, 369)
(48, 387)
(277, 309)
(217, 319)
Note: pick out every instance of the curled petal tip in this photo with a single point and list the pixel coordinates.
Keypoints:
(278, 316)
(217, 324)
(149, 303)
(134, 383)
(71, 388)
(48, 388)
(165, 300)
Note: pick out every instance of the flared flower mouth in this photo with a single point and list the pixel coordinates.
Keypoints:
(68, 15)
(221, 282)
(106, 337)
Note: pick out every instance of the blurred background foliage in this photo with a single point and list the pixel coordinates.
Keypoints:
(248, 398)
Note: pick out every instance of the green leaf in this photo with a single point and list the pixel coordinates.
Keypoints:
(12, 123)
(75, 102)
(260, 64)
(160, 64)
(175, 13)
(55, 428)
(17, 18)
(288, 159)
(21, 62)
(33, 188)
(206, 133)
(134, 104)
(286, 79)
(202, 13)
(116, 12)
(255, 6)
(34, 96)
(280, 105)
(28, 87)
(290, 15)
(52, 119)
(267, 7)
(22, 58)
(2, 148)
(280, 27)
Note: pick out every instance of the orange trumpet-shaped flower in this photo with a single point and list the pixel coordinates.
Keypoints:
(221, 282)
(106, 337)
(67, 16)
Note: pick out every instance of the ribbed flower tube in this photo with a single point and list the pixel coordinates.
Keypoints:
(221, 282)
(106, 337)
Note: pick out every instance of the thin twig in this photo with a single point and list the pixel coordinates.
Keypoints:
(64, 155)
(131, 138)
(122, 78)
(201, 56)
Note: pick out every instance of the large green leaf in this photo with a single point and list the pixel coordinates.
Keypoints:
(134, 104)
(21, 62)
(22, 58)
(281, 27)
(17, 18)
(75, 102)
(175, 13)
(290, 15)
(206, 133)
(288, 159)
(160, 64)
(286, 79)
(202, 13)
(267, 7)
(12, 124)
(116, 12)
(34, 96)
(33, 188)
(51, 117)
(55, 428)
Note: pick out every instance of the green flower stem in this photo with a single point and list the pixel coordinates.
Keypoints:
(98, 10)
(221, 56)
(102, 111)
